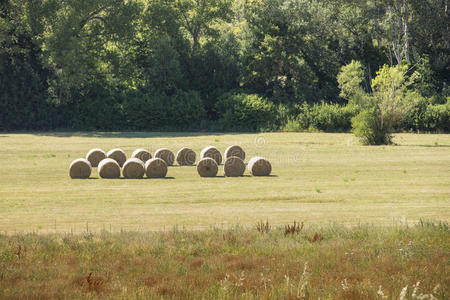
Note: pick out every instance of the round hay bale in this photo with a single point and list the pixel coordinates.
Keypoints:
(233, 167)
(213, 153)
(118, 155)
(186, 157)
(142, 154)
(133, 168)
(207, 167)
(156, 168)
(166, 155)
(94, 156)
(259, 166)
(80, 168)
(109, 168)
(235, 150)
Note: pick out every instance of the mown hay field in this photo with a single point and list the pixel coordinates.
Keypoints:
(317, 178)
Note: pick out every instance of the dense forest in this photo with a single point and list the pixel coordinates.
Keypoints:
(241, 65)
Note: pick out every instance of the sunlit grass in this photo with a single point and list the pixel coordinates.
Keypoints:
(318, 178)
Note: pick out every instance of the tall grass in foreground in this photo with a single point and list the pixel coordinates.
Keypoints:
(334, 262)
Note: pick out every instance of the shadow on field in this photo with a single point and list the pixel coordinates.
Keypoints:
(143, 178)
(427, 146)
(163, 178)
(99, 134)
(123, 178)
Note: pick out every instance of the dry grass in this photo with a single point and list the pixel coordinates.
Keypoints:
(317, 178)
(346, 263)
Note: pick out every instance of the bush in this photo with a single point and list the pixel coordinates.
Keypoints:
(424, 116)
(100, 108)
(366, 126)
(322, 117)
(185, 110)
(292, 125)
(332, 117)
(437, 117)
(244, 112)
(181, 111)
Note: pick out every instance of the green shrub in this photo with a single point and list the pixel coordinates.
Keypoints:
(181, 111)
(292, 125)
(367, 128)
(437, 117)
(425, 116)
(184, 110)
(244, 112)
(322, 117)
(99, 109)
(332, 117)
(384, 108)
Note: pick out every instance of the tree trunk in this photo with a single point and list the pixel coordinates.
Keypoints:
(405, 31)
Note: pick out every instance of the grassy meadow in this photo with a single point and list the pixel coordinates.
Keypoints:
(330, 262)
(317, 178)
(375, 220)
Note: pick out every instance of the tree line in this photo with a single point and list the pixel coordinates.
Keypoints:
(218, 64)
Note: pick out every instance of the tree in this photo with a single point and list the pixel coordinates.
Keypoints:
(384, 107)
(350, 81)
(199, 17)
(87, 41)
(23, 77)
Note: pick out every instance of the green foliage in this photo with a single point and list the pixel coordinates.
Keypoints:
(350, 80)
(322, 117)
(183, 110)
(198, 17)
(424, 116)
(161, 67)
(245, 112)
(98, 109)
(383, 109)
(332, 117)
(23, 77)
(62, 60)
(367, 127)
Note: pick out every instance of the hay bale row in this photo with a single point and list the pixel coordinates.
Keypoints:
(141, 162)
(184, 157)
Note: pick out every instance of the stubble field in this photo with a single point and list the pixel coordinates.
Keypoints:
(317, 178)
